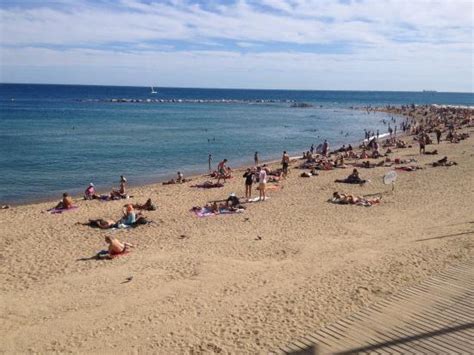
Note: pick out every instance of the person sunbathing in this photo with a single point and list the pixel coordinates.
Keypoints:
(100, 223)
(444, 162)
(147, 206)
(353, 178)
(129, 217)
(117, 195)
(116, 247)
(169, 182)
(66, 202)
(90, 194)
(348, 199)
(208, 185)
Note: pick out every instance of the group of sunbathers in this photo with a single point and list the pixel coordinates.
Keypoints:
(90, 192)
(180, 179)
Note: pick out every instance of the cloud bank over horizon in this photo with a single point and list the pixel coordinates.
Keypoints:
(269, 44)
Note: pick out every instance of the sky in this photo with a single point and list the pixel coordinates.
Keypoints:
(405, 45)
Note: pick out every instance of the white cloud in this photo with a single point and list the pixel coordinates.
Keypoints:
(392, 39)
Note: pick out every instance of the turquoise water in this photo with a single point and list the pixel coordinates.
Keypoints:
(58, 138)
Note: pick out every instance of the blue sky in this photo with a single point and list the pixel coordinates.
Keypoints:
(277, 44)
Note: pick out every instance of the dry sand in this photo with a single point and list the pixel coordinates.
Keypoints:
(219, 289)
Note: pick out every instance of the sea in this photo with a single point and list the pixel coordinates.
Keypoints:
(58, 138)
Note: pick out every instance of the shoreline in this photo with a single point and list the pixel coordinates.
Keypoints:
(76, 193)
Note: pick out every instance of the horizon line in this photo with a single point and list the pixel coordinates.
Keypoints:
(239, 88)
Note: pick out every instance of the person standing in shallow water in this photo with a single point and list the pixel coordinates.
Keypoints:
(255, 158)
(209, 162)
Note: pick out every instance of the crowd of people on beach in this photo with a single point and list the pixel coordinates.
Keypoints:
(426, 124)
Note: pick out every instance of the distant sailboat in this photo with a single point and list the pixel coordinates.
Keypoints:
(153, 91)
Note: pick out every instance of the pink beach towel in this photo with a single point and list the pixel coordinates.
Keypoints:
(61, 210)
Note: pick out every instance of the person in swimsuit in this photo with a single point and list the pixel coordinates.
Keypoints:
(129, 217)
(222, 171)
(438, 134)
(285, 162)
(262, 183)
(421, 141)
(116, 247)
(148, 206)
(255, 158)
(66, 203)
(249, 176)
(90, 194)
(116, 195)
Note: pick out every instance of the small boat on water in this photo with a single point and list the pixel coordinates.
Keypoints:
(153, 91)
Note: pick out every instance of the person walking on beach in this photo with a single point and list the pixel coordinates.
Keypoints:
(421, 141)
(209, 161)
(249, 176)
(255, 158)
(285, 162)
(262, 183)
(311, 149)
(438, 134)
(221, 171)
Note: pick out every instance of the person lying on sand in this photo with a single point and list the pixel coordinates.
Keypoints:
(353, 178)
(208, 185)
(444, 162)
(66, 202)
(348, 199)
(147, 206)
(409, 168)
(169, 182)
(129, 219)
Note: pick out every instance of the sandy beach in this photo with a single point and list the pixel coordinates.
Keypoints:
(240, 283)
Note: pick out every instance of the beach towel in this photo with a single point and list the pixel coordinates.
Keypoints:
(205, 212)
(61, 210)
(408, 168)
(256, 199)
(208, 186)
(104, 254)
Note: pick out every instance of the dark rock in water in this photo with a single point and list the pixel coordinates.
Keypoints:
(301, 105)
